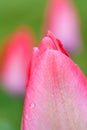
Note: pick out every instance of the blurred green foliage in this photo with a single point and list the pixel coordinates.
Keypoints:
(30, 12)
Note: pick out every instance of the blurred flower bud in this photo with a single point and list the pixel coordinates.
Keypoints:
(16, 60)
(62, 19)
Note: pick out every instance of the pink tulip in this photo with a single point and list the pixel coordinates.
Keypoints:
(62, 19)
(16, 61)
(56, 97)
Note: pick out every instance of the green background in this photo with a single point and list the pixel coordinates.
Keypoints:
(30, 12)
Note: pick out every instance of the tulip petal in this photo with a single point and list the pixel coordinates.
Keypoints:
(50, 42)
(63, 20)
(56, 96)
(16, 61)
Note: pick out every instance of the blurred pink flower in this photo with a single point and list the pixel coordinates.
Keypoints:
(62, 19)
(56, 97)
(16, 60)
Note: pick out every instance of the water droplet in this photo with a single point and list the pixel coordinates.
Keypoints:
(42, 66)
(26, 116)
(32, 105)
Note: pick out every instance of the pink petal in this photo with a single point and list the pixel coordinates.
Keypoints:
(49, 42)
(56, 96)
(62, 19)
(16, 61)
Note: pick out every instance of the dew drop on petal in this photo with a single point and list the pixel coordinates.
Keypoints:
(26, 116)
(32, 105)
